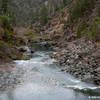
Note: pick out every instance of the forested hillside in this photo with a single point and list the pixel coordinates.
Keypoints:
(22, 11)
(71, 26)
(49, 49)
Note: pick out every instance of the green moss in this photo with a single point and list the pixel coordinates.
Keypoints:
(81, 28)
(7, 29)
(4, 21)
(29, 33)
(24, 57)
(3, 43)
(94, 29)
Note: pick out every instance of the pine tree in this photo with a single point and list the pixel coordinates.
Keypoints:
(64, 2)
(4, 7)
(43, 15)
(56, 8)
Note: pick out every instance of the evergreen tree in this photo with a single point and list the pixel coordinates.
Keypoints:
(43, 15)
(56, 7)
(36, 15)
(4, 7)
(64, 2)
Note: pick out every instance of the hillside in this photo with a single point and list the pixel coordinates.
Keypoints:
(22, 11)
(76, 33)
(49, 49)
(9, 42)
(72, 27)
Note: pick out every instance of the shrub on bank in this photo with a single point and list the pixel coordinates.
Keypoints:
(4, 21)
(81, 28)
(94, 29)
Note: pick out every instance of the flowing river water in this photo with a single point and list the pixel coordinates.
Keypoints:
(41, 79)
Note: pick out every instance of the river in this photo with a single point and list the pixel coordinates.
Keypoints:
(41, 79)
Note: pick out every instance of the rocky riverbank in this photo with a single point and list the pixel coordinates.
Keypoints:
(9, 75)
(81, 60)
(8, 79)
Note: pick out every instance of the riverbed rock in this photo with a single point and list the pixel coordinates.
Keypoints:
(80, 60)
(27, 52)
